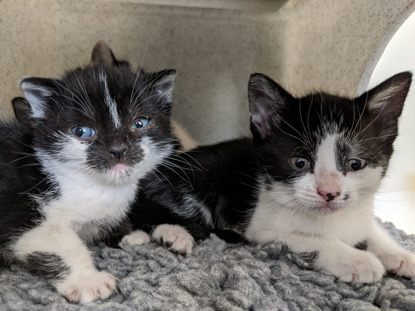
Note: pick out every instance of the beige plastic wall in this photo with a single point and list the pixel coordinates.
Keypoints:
(214, 45)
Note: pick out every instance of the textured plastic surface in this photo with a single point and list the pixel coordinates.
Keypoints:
(214, 45)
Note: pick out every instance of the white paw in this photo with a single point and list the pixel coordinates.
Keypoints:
(137, 237)
(87, 287)
(362, 267)
(175, 237)
(401, 263)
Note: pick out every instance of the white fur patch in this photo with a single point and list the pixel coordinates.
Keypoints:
(192, 208)
(110, 102)
(326, 156)
(177, 237)
(84, 196)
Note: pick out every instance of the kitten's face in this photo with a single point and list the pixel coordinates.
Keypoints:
(325, 152)
(106, 122)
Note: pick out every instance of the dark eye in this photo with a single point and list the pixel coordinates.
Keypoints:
(355, 165)
(301, 164)
(83, 132)
(141, 122)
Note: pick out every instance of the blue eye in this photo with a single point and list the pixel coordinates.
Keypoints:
(141, 122)
(83, 132)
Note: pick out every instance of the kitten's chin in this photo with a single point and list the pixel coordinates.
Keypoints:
(327, 208)
(120, 168)
(119, 174)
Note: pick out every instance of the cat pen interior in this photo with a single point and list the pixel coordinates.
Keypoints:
(214, 46)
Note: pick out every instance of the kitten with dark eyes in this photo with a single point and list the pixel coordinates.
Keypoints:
(307, 178)
(70, 169)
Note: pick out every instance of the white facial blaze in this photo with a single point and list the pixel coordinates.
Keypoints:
(110, 102)
(326, 172)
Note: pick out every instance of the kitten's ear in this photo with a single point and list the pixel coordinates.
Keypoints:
(267, 100)
(385, 102)
(21, 109)
(163, 86)
(37, 91)
(102, 55)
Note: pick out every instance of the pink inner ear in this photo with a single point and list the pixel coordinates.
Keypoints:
(264, 116)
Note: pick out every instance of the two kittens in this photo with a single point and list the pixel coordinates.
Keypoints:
(92, 142)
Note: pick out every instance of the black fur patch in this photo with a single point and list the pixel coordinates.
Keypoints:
(19, 173)
(218, 185)
(230, 236)
(46, 265)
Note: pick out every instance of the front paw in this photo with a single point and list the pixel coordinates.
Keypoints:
(137, 237)
(176, 238)
(401, 263)
(360, 267)
(87, 287)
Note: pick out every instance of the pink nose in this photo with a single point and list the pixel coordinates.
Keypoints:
(328, 196)
(330, 187)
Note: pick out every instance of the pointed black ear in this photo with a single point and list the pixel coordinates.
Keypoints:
(21, 109)
(163, 86)
(37, 92)
(267, 100)
(102, 55)
(384, 103)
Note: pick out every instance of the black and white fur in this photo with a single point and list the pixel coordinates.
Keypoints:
(70, 169)
(307, 178)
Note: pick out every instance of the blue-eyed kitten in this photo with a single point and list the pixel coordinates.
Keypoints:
(70, 169)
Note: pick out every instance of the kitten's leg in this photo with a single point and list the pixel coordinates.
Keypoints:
(58, 249)
(393, 257)
(338, 258)
(177, 238)
(137, 237)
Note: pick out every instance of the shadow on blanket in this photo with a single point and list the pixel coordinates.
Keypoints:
(216, 276)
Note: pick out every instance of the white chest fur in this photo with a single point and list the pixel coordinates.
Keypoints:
(85, 199)
(89, 202)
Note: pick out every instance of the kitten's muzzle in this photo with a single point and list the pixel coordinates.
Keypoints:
(118, 153)
(329, 196)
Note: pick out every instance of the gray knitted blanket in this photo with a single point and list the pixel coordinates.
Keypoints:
(216, 276)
